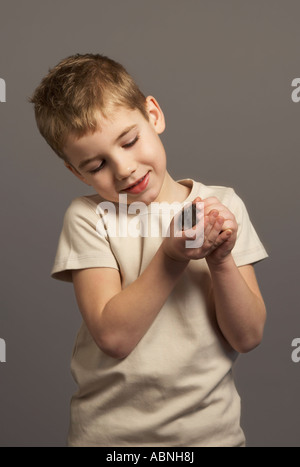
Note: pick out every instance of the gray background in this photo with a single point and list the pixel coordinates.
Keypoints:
(222, 72)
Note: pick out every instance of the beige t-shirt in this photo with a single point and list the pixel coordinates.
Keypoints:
(176, 387)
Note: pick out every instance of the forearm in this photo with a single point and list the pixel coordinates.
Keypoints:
(129, 314)
(240, 312)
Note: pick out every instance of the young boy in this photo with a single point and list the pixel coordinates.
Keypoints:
(163, 321)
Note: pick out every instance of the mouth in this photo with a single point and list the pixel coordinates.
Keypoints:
(139, 186)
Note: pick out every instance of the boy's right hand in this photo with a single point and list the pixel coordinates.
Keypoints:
(176, 244)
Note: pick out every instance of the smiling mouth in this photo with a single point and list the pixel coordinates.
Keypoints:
(135, 184)
(138, 186)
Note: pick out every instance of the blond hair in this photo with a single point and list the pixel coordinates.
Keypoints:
(70, 96)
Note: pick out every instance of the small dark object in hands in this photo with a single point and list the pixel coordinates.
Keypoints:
(188, 217)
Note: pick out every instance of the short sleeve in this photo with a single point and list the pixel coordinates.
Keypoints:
(80, 246)
(248, 248)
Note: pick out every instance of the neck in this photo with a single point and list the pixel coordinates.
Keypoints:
(172, 191)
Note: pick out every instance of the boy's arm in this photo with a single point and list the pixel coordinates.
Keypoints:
(117, 319)
(240, 308)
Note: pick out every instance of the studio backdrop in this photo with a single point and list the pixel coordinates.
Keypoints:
(227, 76)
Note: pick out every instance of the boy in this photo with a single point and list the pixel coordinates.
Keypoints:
(163, 321)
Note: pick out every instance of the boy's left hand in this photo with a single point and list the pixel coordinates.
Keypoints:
(219, 228)
(228, 233)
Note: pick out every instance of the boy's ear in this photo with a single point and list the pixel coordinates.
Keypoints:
(76, 173)
(156, 116)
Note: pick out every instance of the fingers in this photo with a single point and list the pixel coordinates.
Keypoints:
(214, 232)
(204, 227)
(213, 227)
(213, 204)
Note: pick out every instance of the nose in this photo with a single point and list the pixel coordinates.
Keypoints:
(124, 168)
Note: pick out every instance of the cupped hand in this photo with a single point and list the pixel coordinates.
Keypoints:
(216, 227)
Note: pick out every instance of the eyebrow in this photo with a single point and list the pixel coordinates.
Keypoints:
(91, 159)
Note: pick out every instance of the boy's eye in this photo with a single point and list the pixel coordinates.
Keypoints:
(125, 146)
(131, 143)
(97, 169)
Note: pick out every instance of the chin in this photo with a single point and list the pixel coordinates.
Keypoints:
(152, 197)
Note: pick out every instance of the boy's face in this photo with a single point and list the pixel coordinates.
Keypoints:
(126, 156)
